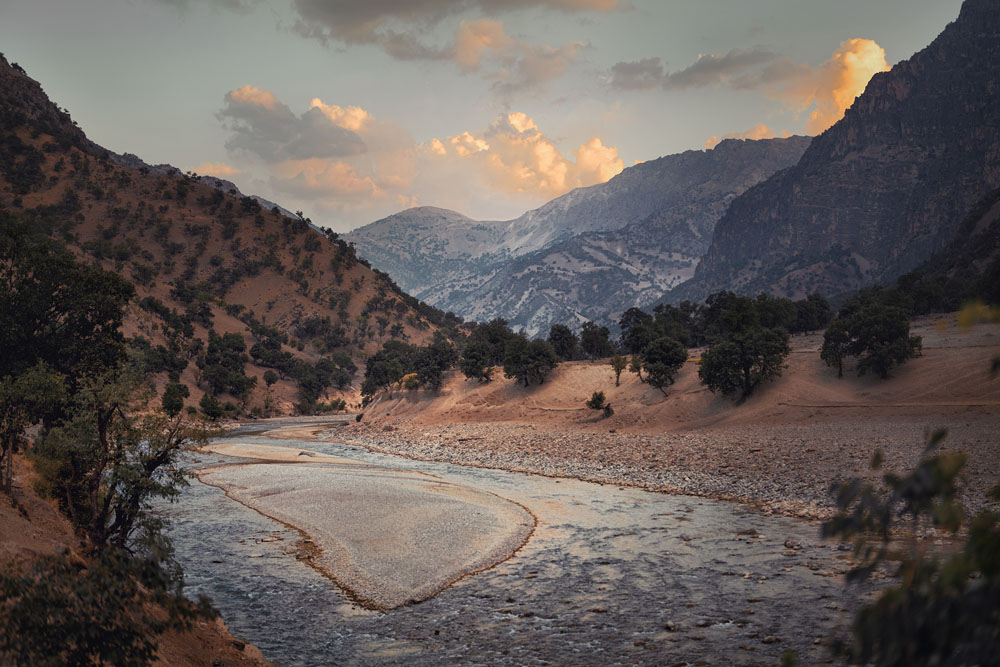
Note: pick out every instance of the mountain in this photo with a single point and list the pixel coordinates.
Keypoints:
(587, 255)
(205, 260)
(881, 190)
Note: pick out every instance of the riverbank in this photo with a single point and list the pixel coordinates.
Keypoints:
(785, 470)
(38, 529)
(780, 451)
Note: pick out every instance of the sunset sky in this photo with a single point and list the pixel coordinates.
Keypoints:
(352, 110)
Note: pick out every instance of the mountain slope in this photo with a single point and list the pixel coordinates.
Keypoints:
(587, 255)
(203, 261)
(882, 189)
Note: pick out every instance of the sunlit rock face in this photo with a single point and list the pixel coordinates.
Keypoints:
(588, 255)
(881, 190)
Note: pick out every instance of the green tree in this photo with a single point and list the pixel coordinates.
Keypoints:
(835, 346)
(618, 363)
(475, 361)
(662, 359)
(173, 397)
(54, 308)
(529, 362)
(210, 406)
(430, 363)
(270, 377)
(635, 365)
(743, 361)
(24, 399)
(596, 341)
(638, 329)
(564, 341)
(110, 458)
(495, 334)
(877, 334)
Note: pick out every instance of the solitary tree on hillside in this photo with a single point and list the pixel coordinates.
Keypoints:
(618, 364)
(743, 361)
(662, 359)
(877, 334)
(529, 362)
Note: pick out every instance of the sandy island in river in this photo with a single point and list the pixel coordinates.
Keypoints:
(388, 537)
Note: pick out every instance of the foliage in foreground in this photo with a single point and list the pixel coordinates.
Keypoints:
(65, 612)
(942, 611)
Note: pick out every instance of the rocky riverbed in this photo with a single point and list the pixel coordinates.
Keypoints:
(783, 469)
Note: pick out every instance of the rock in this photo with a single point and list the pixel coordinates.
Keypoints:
(770, 639)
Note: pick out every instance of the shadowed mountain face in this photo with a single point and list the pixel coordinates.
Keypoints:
(588, 255)
(881, 190)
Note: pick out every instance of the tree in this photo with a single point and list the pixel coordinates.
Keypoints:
(270, 377)
(495, 334)
(173, 398)
(727, 313)
(618, 364)
(811, 314)
(635, 365)
(563, 341)
(637, 330)
(432, 361)
(24, 399)
(877, 334)
(835, 346)
(210, 406)
(661, 360)
(54, 308)
(529, 362)
(223, 365)
(596, 341)
(111, 457)
(475, 361)
(743, 361)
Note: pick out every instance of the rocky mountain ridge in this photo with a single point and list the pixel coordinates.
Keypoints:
(587, 255)
(881, 190)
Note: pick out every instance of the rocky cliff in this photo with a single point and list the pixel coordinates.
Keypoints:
(881, 190)
(587, 255)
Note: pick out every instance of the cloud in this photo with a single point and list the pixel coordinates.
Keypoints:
(373, 21)
(758, 131)
(217, 169)
(476, 38)
(825, 92)
(265, 127)
(837, 83)
(532, 67)
(515, 157)
(638, 75)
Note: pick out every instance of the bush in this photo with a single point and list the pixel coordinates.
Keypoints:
(942, 611)
(596, 401)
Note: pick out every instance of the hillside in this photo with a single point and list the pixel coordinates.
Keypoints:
(780, 450)
(204, 263)
(881, 190)
(588, 255)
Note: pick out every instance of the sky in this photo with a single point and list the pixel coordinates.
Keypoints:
(351, 110)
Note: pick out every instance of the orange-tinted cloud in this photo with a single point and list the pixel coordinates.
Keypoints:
(823, 92)
(836, 83)
(217, 169)
(514, 156)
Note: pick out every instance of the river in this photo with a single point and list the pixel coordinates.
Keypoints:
(610, 576)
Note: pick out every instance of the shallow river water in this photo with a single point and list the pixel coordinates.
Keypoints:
(610, 576)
